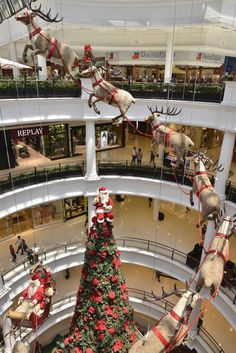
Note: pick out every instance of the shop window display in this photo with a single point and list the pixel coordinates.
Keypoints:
(47, 213)
(74, 207)
(78, 140)
(108, 135)
(56, 143)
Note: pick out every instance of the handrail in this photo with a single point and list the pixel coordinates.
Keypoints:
(9, 275)
(30, 176)
(162, 304)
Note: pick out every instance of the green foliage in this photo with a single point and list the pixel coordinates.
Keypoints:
(103, 317)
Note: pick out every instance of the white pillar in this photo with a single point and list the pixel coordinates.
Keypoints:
(91, 211)
(156, 209)
(91, 172)
(87, 84)
(43, 73)
(226, 154)
(169, 57)
(14, 57)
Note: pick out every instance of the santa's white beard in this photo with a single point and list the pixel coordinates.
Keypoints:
(104, 198)
(32, 290)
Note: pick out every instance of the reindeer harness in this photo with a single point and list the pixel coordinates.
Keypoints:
(166, 135)
(159, 335)
(53, 42)
(217, 252)
(111, 95)
(205, 186)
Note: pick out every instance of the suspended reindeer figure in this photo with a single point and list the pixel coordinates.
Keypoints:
(212, 269)
(171, 329)
(202, 187)
(106, 92)
(178, 142)
(43, 43)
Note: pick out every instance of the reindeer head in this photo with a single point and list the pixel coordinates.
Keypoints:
(28, 15)
(192, 298)
(155, 113)
(206, 161)
(90, 70)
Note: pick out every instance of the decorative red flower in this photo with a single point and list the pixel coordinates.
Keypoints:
(66, 341)
(106, 243)
(92, 252)
(89, 350)
(92, 310)
(100, 325)
(123, 287)
(116, 262)
(111, 295)
(114, 278)
(101, 336)
(103, 254)
(126, 310)
(95, 282)
(93, 265)
(124, 296)
(112, 330)
(133, 337)
(85, 318)
(77, 350)
(117, 346)
(108, 311)
(115, 315)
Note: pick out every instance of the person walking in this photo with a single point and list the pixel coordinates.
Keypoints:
(24, 245)
(139, 156)
(134, 155)
(19, 243)
(152, 157)
(12, 252)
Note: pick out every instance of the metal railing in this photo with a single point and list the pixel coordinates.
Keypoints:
(161, 305)
(55, 251)
(31, 176)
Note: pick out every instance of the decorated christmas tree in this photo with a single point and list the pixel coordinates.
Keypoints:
(103, 318)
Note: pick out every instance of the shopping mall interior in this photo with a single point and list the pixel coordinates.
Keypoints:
(176, 59)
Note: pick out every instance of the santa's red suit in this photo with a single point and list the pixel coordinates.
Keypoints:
(103, 204)
(35, 293)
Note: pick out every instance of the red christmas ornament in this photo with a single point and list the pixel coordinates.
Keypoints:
(111, 295)
(112, 330)
(118, 346)
(95, 282)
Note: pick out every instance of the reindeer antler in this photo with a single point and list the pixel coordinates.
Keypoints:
(45, 17)
(175, 291)
(169, 111)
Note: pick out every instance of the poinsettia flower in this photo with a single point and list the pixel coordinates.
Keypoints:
(95, 282)
(92, 252)
(100, 336)
(115, 315)
(89, 350)
(116, 262)
(92, 310)
(106, 243)
(133, 337)
(117, 346)
(66, 341)
(93, 265)
(103, 254)
(123, 287)
(126, 310)
(100, 325)
(108, 311)
(112, 330)
(114, 278)
(111, 295)
(77, 350)
(124, 296)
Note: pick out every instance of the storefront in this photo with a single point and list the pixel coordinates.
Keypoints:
(56, 143)
(107, 136)
(42, 215)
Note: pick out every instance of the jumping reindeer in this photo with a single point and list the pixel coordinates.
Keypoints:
(43, 43)
(178, 142)
(171, 329)
(202, 187)
(106, 92)
(212, 269)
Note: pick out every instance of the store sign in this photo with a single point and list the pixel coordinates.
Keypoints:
(30, 131)
(149, 55)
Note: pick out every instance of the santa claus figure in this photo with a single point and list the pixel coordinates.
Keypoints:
(34, 293)
(103, 204)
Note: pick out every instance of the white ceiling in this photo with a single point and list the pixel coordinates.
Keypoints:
(133, 25)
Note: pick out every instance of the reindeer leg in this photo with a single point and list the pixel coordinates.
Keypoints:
(92, 101)
(117, 120)
(191, 197)
(25, 52)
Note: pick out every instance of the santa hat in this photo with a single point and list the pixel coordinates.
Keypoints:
(35, 278)
(103, 190)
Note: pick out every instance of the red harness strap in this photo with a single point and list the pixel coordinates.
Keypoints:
(112, 95)
(155, 127)
(222, 235)
(175, 316)
(167, 139)
(200, 172)
(217, 252)
(36, 31)
(206, 186)
(160, 337)
(52, 48)
(97, 82)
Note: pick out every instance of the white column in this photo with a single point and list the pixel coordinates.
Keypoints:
(91, 172)
(43, 73)
(226, 154)
(91, 211)
(14, 57)
(156, 209)
(87, 84)
(169, 57)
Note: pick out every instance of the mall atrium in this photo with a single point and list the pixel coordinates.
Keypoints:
(172, 65)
